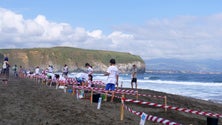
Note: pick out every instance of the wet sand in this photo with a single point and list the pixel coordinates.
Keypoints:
(25, 102)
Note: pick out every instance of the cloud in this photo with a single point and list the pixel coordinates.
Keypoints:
(186, 37)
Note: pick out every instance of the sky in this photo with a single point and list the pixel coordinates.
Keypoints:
(180, 29)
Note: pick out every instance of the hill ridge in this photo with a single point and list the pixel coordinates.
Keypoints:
(75, 58)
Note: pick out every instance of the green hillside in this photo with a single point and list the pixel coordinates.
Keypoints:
(74, 57)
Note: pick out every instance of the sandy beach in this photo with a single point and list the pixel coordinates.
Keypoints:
(25, 102)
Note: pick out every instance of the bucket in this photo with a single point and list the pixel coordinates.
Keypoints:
(96, 97)
(212, 121)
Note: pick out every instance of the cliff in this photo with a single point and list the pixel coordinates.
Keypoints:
(75, 58)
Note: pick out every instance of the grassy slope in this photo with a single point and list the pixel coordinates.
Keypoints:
(65, 55)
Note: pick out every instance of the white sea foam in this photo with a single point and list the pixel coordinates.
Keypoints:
(181, 83)
(201, 90)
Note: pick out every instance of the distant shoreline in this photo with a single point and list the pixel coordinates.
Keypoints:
(179, 72)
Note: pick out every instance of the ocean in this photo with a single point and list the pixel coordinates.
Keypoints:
(201, 86)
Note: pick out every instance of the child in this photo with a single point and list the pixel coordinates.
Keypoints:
(90, 81)
(113, 77)
(89, 69)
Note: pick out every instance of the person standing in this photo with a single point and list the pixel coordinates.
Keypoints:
(113, 77)
(15, 68)
(37, 74)
(65, 71)
(5, 70)
(90, 81)
(89, 69)
(21, 72)
(50, 69)
(134, 76)
(37, 70)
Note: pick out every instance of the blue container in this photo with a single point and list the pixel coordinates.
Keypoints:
(70, 91)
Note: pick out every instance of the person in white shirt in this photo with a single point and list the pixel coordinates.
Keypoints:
(5, 70)
(37, 70)
(90, 81)
(65, 71)
(37, 74)
(89, 69)
(113, 77)
(81, 78)
(50, 69)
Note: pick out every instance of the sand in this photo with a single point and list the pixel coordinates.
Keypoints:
(25, 102)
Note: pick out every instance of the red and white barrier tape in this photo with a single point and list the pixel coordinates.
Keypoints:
(119, 91)
(152, 118)
(148, 95)
(97, 82)
(175, 108)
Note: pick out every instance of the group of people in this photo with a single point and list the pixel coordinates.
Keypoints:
(112, 73)
(18, 72)
(113, 76)
(86, 78)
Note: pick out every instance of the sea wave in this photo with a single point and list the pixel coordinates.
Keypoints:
(181, 83)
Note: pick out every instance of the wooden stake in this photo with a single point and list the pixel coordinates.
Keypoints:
(112, 96)
(137, 95)
(106, 96)
(91, 97)
(165, 102)
(122, 108)
(73, 91)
